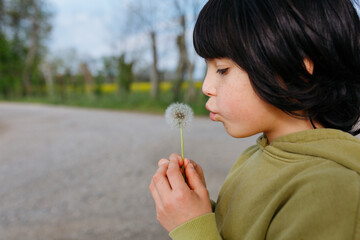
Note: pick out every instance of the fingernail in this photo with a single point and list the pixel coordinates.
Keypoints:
(163, 161)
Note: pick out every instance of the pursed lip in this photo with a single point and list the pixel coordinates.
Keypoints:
(212, 114)
(208, 108)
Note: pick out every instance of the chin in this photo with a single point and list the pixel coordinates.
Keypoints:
(239, 134)
(233, 133)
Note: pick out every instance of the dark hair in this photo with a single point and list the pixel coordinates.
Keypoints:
(270, 39)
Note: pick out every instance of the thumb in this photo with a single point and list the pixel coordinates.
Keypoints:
(194, 179)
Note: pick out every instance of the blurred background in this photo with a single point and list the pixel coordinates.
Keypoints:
(70, 173)
(117, 54)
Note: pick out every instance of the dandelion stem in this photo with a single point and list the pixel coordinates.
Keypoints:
(182, 153)
(182, 142)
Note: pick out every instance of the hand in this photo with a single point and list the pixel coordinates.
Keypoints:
(177, 202)
(186, 161)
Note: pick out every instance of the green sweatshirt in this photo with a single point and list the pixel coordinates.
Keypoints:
(304, 185)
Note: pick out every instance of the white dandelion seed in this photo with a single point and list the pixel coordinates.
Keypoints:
(179, 115)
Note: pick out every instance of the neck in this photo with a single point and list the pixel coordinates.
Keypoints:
(288, 125)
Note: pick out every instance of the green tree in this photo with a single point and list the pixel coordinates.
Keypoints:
(99, 81)
(10, 68)
(125, 74)
(110, 68)
(29, 26)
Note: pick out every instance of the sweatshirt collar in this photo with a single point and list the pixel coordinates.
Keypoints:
(330, 144)
(305, 136)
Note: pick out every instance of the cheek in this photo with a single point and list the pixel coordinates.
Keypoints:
(237, 95)
(245, 106)
(234, 106)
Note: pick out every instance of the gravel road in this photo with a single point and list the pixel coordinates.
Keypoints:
(68, 173)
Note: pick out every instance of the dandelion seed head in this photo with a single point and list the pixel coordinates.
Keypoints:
(179, 115)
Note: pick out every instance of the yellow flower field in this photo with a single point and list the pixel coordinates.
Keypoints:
(145, 86)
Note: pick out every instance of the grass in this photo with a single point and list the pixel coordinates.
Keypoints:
(134, 101)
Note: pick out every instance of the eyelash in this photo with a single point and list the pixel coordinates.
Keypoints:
(222, 71)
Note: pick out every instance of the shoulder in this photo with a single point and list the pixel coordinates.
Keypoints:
(323, 203)
(249, 151)
(245, 156)
(328, 181)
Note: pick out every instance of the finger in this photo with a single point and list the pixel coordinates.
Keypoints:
(163, 161)
(154, 193)
(199, 170)
(191, 161)
(161, 181)
(174, 175)
(194, 179)
(197, 167)
(176, 156)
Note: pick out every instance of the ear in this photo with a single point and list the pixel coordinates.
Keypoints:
(309, 65)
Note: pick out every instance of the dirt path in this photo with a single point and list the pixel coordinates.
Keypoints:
(70, 173)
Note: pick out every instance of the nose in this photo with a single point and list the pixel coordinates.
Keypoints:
(208, 86)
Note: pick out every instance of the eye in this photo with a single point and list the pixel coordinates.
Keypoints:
(222, 71)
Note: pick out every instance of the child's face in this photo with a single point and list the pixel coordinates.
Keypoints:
(233, 102)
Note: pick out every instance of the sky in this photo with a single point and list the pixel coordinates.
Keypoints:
(93, 29)
(84, 25)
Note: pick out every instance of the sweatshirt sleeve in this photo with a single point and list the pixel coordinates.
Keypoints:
(203, 227)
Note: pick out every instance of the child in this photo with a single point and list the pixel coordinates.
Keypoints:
(291, 70)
